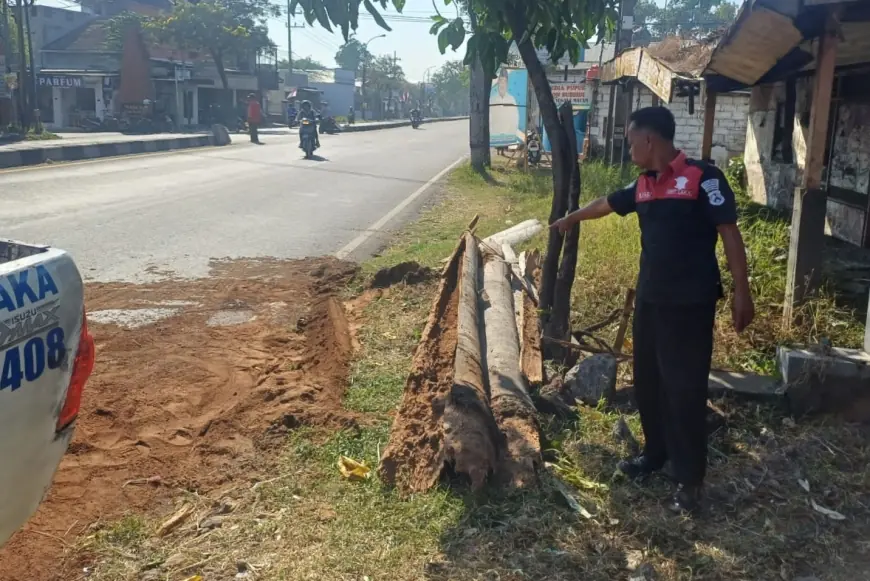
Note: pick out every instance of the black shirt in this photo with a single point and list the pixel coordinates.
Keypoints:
(679, 212)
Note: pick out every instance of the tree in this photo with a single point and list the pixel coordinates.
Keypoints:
(303, 64)
(383, 76)
(451, 84)
(228, 30)
(693, 18)
(352, 54)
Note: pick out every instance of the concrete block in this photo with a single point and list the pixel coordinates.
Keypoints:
(827, 381)
(747, 384)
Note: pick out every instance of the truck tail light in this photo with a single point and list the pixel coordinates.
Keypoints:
(82, 367)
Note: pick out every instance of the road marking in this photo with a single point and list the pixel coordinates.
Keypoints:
(376, 227)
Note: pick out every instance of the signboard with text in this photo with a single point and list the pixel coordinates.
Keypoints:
(59, 81)
(575, 93)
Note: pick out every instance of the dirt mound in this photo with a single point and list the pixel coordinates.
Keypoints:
(404, 272)
(190, 378)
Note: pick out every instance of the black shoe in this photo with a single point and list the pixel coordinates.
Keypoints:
(639, 468)
(686, 500)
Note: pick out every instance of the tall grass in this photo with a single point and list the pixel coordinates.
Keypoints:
(610, 252)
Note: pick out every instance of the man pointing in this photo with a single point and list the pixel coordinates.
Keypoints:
(683, 207)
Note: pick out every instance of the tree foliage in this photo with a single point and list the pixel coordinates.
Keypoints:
(695, 18)
(450, 83)
(559, 26)
(352, 54)
(230, 31)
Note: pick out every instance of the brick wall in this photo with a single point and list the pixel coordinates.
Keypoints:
(730, 126)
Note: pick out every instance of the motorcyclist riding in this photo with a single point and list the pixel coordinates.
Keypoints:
(307, 112)
(415, 114)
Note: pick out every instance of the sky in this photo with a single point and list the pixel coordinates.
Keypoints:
(409, 38)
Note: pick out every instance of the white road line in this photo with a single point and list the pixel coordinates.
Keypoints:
(376, 227)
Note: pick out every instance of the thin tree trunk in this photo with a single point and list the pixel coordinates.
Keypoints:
(218, 59)
(561, 167)
(559, 325)
(480, 86)
(478, 125)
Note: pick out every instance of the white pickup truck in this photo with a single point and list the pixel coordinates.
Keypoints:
(47, 356)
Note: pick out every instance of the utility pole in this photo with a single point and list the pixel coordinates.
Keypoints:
(23, 85)
(617, 106)
(364, 54)
(35, 99)
(290, 27)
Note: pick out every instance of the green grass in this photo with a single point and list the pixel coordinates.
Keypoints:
(310, 523)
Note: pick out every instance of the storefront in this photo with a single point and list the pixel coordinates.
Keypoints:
(69, 100)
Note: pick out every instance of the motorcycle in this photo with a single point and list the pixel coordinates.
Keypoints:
(534, 149)
(416, 121)
(329, 126)
(307, 135)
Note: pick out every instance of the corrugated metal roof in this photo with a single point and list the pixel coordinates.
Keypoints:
(771, 39)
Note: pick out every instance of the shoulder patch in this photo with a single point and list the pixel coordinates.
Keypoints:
(710, 185)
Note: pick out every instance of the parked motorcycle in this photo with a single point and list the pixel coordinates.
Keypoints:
(533, 145)
(308, 137)
(329, 126)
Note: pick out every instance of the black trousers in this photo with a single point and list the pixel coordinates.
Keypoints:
(255, 133)
(673, 347)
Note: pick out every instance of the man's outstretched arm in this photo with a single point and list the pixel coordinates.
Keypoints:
(621, 201)
(593, 210)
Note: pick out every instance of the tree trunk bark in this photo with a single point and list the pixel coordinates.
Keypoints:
(561, 167)
(559, 325)
(480, 86)
(218, 59)
(471, 437)
(509, 394)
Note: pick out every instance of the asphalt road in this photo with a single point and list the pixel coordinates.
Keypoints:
(139, 218)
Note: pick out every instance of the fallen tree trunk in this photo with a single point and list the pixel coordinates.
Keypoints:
(509, 395)
(515, 234)
(531, 354)
(466, 405)
(414, 456)
(444, 418)
(471, 437)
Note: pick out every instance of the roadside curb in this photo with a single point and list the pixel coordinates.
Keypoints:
(393, 124)
(37, 156)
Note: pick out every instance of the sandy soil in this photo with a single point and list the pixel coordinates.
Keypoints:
(191, 378)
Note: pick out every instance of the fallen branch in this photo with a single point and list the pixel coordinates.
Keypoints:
(627, 308)
(586, 348)
(515, 234)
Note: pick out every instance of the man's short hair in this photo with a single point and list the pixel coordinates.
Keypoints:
(659, 120)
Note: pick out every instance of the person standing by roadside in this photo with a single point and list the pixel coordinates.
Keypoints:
(255, 117)
(683, 207)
